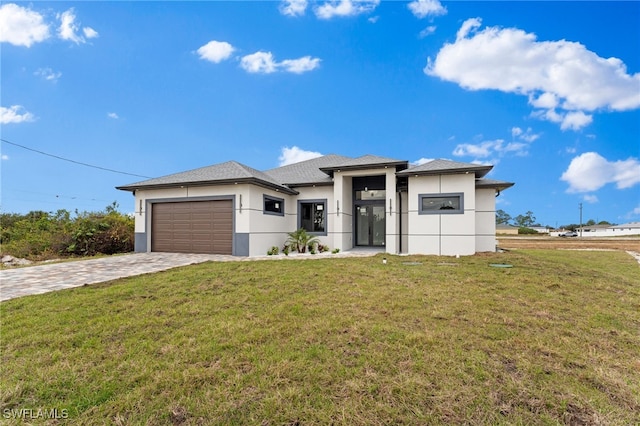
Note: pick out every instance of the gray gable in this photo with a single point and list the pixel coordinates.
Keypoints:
(306, 172)
(229, 172)
(445, 167)
(366, 161)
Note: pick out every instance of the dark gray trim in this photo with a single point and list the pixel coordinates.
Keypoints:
(266, 197)
(140, 242)
(441, 195)
(315, 201)
(252, 181)
(241, 244)
(149, 202)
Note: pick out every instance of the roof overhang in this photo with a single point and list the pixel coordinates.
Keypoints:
(250, 181)
(398, 165)
(479, 172)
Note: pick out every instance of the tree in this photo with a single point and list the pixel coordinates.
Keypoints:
(502, 217)
(590, 222)
(525, 221)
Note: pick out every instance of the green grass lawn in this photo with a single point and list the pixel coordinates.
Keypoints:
(420, 340)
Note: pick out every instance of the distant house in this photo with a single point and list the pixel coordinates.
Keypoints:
(631, 228)
(503, 229)
(441, 207)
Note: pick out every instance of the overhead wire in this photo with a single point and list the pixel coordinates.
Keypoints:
(72, 161)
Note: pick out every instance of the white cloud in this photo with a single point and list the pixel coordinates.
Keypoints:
(373, 19)
(48, 74)
(264, 62)
(427, 31)
(589, 198)
(216, 51)
(293, 7)
(68, 29)
(298, 66)
(295, 155)
(575, 120)
(590, 172)
(15, 114)
(343, 8)
(552, 74)
(4, 157)
(525, 135)
(90, 32)
(259, 62)
(21, 26)
(424, 8)
(113, 115)
(489, 148)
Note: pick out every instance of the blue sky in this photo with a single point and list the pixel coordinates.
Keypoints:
(547, 92)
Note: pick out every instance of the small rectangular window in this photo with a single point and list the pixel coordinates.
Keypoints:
(441, 203)
(312, 216)
(273, 205)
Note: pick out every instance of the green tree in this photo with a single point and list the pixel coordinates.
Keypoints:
(502, 217)
(525, 221)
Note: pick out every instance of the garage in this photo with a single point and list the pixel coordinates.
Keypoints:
(192, 227)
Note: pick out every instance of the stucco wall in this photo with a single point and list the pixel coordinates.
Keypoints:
(486, 220)
(442, 234)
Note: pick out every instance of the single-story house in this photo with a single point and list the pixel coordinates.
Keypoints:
(625, 229)
(441, 207)
(505, 229)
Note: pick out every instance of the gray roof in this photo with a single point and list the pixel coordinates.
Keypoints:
(491, 183)
(317, 171)
(438, 167)
(365, 162)
(306, 172)
(223, 173)
(633, 225)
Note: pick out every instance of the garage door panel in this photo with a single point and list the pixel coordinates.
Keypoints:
(193, 227)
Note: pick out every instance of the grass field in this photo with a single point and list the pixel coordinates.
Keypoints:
(555, 339)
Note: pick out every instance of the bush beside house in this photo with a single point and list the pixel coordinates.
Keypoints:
(40, 235)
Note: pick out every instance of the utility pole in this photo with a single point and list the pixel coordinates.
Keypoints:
(580, 219)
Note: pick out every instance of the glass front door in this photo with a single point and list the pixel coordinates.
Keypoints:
(370, 225)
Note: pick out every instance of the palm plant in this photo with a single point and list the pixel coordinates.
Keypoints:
(299, 240)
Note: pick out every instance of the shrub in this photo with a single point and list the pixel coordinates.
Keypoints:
(40, 235)
(299, 240)
(273, 251)
(525, 230)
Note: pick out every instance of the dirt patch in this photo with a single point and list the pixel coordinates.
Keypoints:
(576, 243)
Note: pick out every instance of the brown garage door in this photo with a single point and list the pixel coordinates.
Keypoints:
(192, 227)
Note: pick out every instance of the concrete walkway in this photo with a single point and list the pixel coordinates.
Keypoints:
(45, 278)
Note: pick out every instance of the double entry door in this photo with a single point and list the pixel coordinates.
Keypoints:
(370, 225)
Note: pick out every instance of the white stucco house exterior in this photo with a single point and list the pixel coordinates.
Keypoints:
(441, 207)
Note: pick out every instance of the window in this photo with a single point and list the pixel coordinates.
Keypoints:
(273, 205)
(312, 216)
(441, 203)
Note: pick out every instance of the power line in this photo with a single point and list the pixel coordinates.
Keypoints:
(72, 161)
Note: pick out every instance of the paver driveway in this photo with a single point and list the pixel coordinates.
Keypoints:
(44, 278)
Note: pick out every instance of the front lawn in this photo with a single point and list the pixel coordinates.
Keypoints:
(420, 340)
